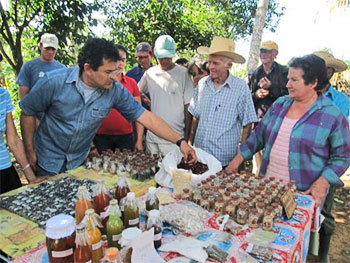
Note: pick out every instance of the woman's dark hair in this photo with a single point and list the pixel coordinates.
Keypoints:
(200, 64)
(95, 50)
(121, 47)
(314, 69)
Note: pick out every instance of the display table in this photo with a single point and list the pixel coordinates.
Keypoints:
(23, 240)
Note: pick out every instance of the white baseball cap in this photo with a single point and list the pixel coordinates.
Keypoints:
(49, 40)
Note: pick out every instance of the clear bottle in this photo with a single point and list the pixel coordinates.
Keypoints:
(82, 253)
(83, 203)
(152, 201)
(114, 224)
(131, 211)
(94, 235)
(155, 222)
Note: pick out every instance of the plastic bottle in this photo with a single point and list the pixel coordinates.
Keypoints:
(82, 253)
(155, 222)
(83, 203)
(114, 224)
(131, 211)
(94, 235)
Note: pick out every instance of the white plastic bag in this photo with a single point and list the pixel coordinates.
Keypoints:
(173, 158)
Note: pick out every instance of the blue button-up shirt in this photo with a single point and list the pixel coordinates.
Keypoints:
(136, 73)
(222, 113)
(69, 124)
(339, 99)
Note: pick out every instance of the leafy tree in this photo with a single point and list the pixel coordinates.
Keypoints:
(190, 22)
(67, 19)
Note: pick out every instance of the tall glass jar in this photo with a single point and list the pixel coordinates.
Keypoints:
(155, 222)
(82, 253)
(60, 237)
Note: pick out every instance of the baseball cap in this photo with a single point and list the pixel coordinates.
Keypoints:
(143, 48)
(164, 47)
(269, 45)
(49, 40)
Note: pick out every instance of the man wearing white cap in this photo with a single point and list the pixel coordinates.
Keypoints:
(170, 88)
(35, 69)
(223, 103)
(342, 102)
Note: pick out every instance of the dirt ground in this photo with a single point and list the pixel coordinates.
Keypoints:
(340, 249)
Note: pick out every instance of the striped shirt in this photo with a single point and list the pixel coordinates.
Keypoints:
(222, 113)
(319, 143)
(278, 165)
(5, 107)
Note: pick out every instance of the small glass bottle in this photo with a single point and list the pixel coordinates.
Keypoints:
(242, 214)
(82, 253)
(227, 197)
(205, 202)
(131, 211)
(155, 222)
(114, 224)
(268, 219)
(222, 189)
(197, 194)
(275, 210)
(186, 194)
(219, 205)
(230, 209)
(260, 206)
(94, 235)
(253, 218)
(152, 201)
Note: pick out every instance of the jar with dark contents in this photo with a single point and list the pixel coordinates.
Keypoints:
(197, 194)
(155, 222)
(242, 213)
(227, 196)
(60, 239)
(186, 194)
(260, 206)
(253, 218)
(268, 219)
(205, 202)
(219, 205)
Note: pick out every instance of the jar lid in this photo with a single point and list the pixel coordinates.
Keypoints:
(60, 226)
(131, 233)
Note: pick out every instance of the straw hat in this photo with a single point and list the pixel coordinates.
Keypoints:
(331, 61)
(269, 45)
(223, 47)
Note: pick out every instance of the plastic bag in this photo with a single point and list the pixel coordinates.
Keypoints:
(173, 158)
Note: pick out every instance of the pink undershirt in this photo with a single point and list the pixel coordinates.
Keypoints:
(278, 165)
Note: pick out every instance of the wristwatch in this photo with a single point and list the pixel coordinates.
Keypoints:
(178, 143)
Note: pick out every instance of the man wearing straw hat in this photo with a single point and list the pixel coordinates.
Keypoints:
(342, 102)
(223, 103)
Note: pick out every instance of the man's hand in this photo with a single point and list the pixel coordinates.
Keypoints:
(139, 147)
(261, 93)
(264, 83)
(233, 166)
(189, 154)
(145, 100)
(32, 159)
(318, 190)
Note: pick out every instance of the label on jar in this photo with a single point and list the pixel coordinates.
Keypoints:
(134, 221)
(116, 237)
(62, 254)
(96, 245)
(158, 236)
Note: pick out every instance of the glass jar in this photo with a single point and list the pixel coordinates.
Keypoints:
(212, 199)
(94, 235)
(197, 194)
(230, 209)
(275, 210)
(131, 211)
(227, 197)
(122, 189)
(205, 202)
(128, 235)
(260, 206)
(291, 185)
(101, 199)
(242, 214)
(155, 222)
(186, 194)
(114, 224)
(60, 237)
(82, 252)
(253, 218)
(219, 205)
(222, 189)
(83, 203)
(268, 219)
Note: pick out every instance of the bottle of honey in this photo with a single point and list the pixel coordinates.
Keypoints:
(94, 235)
(82, 253)
(83, 203)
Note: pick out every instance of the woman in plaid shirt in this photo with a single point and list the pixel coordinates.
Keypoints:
(316, 150)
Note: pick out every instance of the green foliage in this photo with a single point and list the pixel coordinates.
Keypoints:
(191, 23)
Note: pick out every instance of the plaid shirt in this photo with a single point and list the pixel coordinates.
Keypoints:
(222, 113)
(319, 143)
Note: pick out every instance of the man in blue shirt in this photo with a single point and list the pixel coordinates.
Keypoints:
(75, 100)
(35, 69)
(340, 100)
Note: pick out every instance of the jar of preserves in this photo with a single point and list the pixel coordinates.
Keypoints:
(230, 209)
(60, 238)
(212, 199)
(275, 210)
(219, 205)
(82, 253)
(155, 222)
(222, 189)
(186, 194)
(114, 224)
(197, 194)
(94, 235)
(227, 197)
(205, 202)
(268, 219)
(131, 211)
(260, 206)
(83, 203)
(242, 214)
(253, 218)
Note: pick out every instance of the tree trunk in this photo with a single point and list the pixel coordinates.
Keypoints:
(260, 17)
